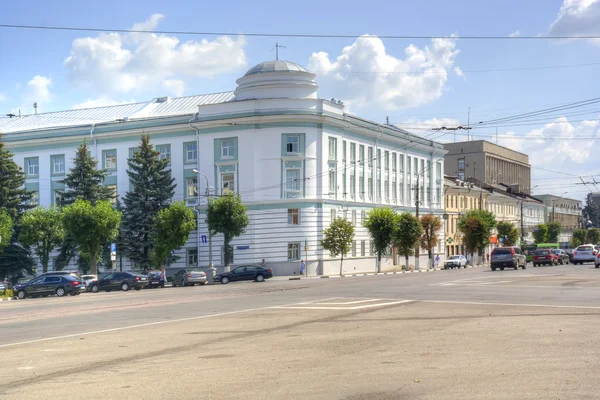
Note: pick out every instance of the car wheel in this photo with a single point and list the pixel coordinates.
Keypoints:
(72, 294)
(21, 294)
(516, 267)
(95, 289)
(124, 286)
(138, 288)
(60, 292)
(597, 265)
(260, 278)
(501, 268)
(524, 266)
(493, 268)
(224, 280)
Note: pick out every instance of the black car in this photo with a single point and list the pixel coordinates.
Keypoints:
(155, 279)
(119, 280)
(245, 273)
(563, 257)
(59, 285)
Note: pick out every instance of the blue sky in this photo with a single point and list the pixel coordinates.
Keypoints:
(33, 65)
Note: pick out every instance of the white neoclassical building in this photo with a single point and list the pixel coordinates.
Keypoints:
(297, 161)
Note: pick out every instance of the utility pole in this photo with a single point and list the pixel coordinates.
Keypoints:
(417, 200)
(522, 226)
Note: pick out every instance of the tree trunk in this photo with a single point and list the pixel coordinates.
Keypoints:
(44, 259)
(94, 262)
(342, 265)
(378, 262)
(430, 253)
(226, 261)
(406, 258)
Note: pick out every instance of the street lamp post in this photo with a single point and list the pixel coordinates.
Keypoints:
(207, 193)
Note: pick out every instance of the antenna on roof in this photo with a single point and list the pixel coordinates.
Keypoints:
(276, 48)
(35, 106)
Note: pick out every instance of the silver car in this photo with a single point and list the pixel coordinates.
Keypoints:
(88, 279)
(456, 261)
(189, 277)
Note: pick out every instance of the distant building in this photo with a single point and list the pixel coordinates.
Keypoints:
(564, 210)
(488, 163)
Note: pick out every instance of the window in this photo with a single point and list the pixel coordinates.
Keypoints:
(344, 151)
(332, 148)
(332, 183)
(110, 159)
(227, 148)
(353, 217)
(461, 164)
(387, 190)
(378, 189)
(57, 198)
(386, 160)
(345, 215)
(190, 151)
(352, 185)
(133, 151)
(379, 158)
(394, 192)
(293, 251)
(353, 153)
(191, 185)
(371, 248)
(332, 214)
(439, 172)
(370, 188)
(292, 144)
(370, 157)
(35, 199)
(363, 216)
(113, 192)
(402, 163)
(192, 257)
(409, 166)
(416, 167)
(33, 166)
(361, 187)
(292, 180)
(394, 161)
(165, 151)
(227, 182)
(344, 183)
(58, 164)
(362, 248)
(52, 279)
(354, 248)
(461, 176)
(293, 215)
(361, 154)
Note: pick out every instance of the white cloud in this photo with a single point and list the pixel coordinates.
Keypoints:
(577, 18)
(364, 74)
(101, 101)
(37, 91)
(515, 34)
(114, 63)
(459, 72)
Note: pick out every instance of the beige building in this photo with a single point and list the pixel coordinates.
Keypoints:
(564, 210)
(488, 163)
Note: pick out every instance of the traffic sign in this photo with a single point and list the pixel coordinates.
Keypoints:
(113, 247)
(203, 238)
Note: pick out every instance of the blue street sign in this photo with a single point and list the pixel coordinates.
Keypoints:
(113, 247)
(203, 238)
(243, 247)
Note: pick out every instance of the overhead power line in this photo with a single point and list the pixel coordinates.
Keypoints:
(292, 35)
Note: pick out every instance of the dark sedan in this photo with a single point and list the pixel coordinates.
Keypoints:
(155, 279)
(245, 273)
(59, 285)
(119, 280)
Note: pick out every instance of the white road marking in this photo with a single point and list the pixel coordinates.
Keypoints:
(123, 328)
(480, 303)
(301, 307)
(343, 303)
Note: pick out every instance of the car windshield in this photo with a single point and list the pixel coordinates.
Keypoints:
(541, 252)
(556, 251)
(502, 250)
(454, 258)
(154, 274)
(585, 248)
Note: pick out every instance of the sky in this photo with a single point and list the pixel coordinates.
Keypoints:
(418, 84)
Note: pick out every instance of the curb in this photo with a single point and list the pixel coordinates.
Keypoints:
(7, 299)
(297, 278)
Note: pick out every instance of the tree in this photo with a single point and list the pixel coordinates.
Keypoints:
(42, 228)
(406, 235)
(540, 234)
(227, 215)
(83, 182)
(171, 230)
(476, 227)
(91, 226)
(14, 201)
(431, 228)
(508, 234)
(593, 236)
(579, 237)
(554, 229)
(152, 190)
(381, 223)
(338, 238)
(6, 229)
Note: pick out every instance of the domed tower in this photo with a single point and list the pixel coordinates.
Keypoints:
(277, 80)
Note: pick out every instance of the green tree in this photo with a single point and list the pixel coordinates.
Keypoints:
(91, 226)
(6, 229)
(579, 237)
(406, 235)
(42, 228)
(508, 234)
(227, 215)
(337, 239)
(83, 182)
(14, 200)
(171, 230)
(431, 228)
(152, 190)
(476, 227)
(554, 229)
(593, 236)
(381, 223)
(540, 234)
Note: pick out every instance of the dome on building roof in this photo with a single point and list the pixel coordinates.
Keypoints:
(275, 66)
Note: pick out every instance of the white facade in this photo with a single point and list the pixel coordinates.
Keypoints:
(295, 159)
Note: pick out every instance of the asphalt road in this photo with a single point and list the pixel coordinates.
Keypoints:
(458, 334)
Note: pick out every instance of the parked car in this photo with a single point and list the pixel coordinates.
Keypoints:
(563, 257)
(88, 279)
(511, 257)
(189, 277)
(74, 274)
(59, 285)
(545, 257)
(597, 261)
(570, 254)
(155, 279)
(456, 261)
(245, 273)
(584, 253)
(119, 280)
